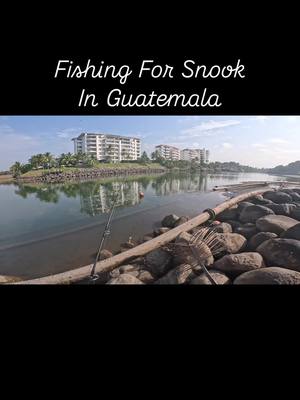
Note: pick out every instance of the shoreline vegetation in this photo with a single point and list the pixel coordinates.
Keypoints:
(68, 167)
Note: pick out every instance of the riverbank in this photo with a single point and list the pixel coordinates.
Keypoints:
(59, 175)
(254, 242)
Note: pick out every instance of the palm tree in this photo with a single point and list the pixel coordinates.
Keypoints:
(48, 160)
(16, 169)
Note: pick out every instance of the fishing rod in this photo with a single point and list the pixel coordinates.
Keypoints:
(106, 233)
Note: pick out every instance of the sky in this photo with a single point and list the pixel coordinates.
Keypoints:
(259, 141)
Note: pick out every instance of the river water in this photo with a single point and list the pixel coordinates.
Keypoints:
(46, 229)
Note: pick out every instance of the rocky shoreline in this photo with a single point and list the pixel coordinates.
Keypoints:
(87, 174)
(260, 245)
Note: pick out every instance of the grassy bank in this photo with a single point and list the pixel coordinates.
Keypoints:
(100, 166)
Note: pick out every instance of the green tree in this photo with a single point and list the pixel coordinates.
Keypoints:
(144, 159)
(16, 169)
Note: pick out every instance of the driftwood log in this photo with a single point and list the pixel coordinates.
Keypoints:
(79, 274)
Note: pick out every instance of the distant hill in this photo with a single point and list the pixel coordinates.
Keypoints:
(231, 166)
(290, 169)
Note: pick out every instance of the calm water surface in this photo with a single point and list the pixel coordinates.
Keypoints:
(46, 229)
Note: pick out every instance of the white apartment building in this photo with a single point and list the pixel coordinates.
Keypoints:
(168, 152)
(200, 155)
(104, 147)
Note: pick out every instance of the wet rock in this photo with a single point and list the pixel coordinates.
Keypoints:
(104, 254)
(254, 212)
(160, 231)
(146, 238)
(296, 213)
(232, 242)
(223, 227)
(169, 221)
(281, 253)
(127, 268)
(158, 262)
(269, 276)
(278, 197)
(260, 200)
(247, 230)
(9, 279)
(114, 273)
(127, 245)
(242, 205)
(292, 233)
(125, 279)
(259, 238)
(282, 209)
(145, 276)
(181, 274)
(275, 223)
(236, 264)
(234, 224)
(229, 214)
(181, 221)
(219, 277)
(295, 196)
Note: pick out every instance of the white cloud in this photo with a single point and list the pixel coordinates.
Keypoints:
(227, 145)
(5, 129)
(209, 128)
(278, 141)
(68, 133)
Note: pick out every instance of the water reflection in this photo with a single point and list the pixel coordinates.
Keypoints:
(96, 197)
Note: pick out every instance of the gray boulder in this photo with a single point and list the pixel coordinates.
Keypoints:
(247, 230)
(219, 277)
(169, 221)
(181, 221)
(292, 233)
(281, 253)
(160, 231)
(259, 238)
(296, 213)
(124, 279)
(269, 276)
(104, 254)
(242, 205)
(260, 200)
(230, 213)
(236, 264)
(234, 224)
(254, 212)
(278, 197)
(145, 276)
(295, 196)
(223, 227)
(127, 268)
(158, 262)
(146, 238)
(275, 223)
(232, 242)
(282, 209)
